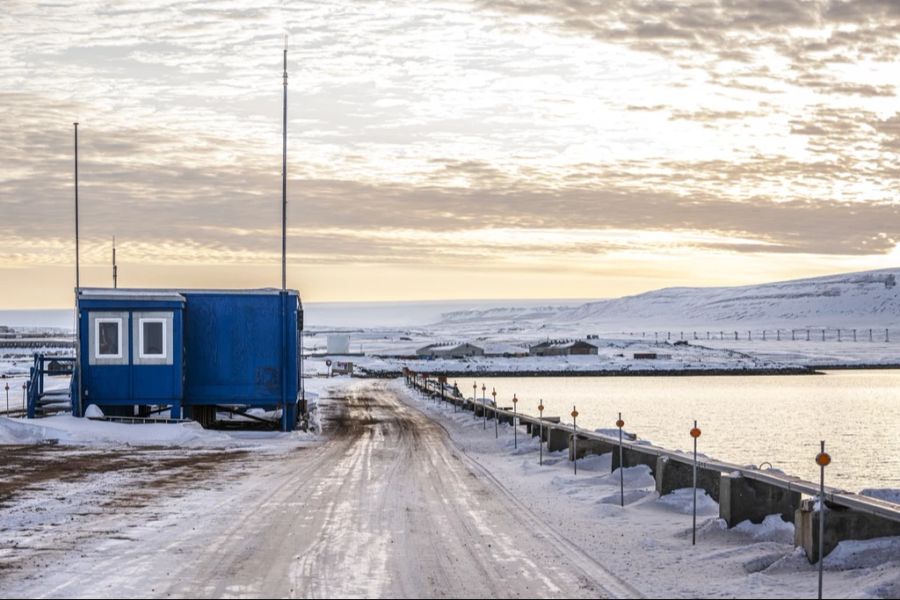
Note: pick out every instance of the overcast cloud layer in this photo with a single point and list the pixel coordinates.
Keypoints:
(529, 137)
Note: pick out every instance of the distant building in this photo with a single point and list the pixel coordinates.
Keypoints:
(338, 344)
(505, 350)
(450, 351)
(342, 368)
(563, 348)
(651, 356)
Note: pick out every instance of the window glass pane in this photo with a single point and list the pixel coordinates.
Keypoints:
(109, 338)
(153, 338)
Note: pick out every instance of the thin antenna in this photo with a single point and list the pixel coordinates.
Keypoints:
(77, 261)
(77, 409)
(115, 268)
(284, 177)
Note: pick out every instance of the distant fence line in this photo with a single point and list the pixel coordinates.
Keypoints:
(817, 334)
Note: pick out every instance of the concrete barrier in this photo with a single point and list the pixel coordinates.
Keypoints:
(506, 417)
(633, 458)
(840, 524)
(587, 447)
(742, 499)
(674, 475)
(557, 438)
(536, 429)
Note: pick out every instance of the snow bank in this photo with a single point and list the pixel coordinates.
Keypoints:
(772, 529)
(66, 429)
(682, 500)
(861, 554)
(93, 412)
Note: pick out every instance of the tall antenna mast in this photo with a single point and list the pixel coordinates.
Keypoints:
(77, 262)
(115, 268)
(284, 178)
(78, 409)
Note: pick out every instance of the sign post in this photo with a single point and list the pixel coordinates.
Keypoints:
(575, 439)
(823, 459)
(496, 415)
(620, 424)
(695, 433)
(541, 430)
(515, 420)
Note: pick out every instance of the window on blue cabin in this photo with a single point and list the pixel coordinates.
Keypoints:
(108, 338)
(153, 338)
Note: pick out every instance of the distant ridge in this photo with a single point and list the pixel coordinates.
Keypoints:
(863, 299)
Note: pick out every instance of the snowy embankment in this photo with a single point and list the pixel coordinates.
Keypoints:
(648, 542)
(690, 360)
(69, 430)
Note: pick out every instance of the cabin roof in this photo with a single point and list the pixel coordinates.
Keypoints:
(165, 294)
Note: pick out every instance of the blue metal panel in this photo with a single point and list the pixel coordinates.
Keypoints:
(234, 348)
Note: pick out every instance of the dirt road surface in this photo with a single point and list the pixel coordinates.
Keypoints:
(388, 507)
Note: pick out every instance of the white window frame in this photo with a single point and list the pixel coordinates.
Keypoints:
(119, 325)
(161, 320)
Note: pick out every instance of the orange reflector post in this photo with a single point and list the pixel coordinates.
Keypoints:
(823, 459)
(620, 423)
(695, 432)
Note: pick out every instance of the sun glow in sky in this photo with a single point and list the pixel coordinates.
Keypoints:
(484, 149)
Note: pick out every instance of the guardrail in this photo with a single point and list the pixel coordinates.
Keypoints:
(779, 493)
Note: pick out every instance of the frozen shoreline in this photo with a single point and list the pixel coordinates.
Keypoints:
(651, 535)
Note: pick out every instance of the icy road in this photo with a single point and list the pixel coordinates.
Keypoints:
(387, 507)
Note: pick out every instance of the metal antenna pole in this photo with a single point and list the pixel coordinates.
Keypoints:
(77, 261)
(284, 178)
(115, 268)
(77, 372)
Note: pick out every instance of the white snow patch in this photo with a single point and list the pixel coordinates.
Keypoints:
(93, 412)
(860, 554)
(772, 529)
(682, 500)
(66, 429)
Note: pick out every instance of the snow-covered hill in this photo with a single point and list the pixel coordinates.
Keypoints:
(852, 300)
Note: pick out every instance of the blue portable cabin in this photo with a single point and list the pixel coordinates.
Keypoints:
(191, 351)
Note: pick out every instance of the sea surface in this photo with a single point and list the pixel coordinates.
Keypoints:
(744, 419)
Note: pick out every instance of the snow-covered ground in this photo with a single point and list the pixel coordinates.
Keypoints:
(649, 542)
(401, 498)
(68, 430)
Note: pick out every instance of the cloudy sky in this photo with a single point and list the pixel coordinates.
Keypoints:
(483, 149)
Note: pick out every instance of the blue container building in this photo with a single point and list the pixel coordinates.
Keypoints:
(193, 352)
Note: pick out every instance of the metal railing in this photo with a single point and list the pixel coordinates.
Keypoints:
(35, 388)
